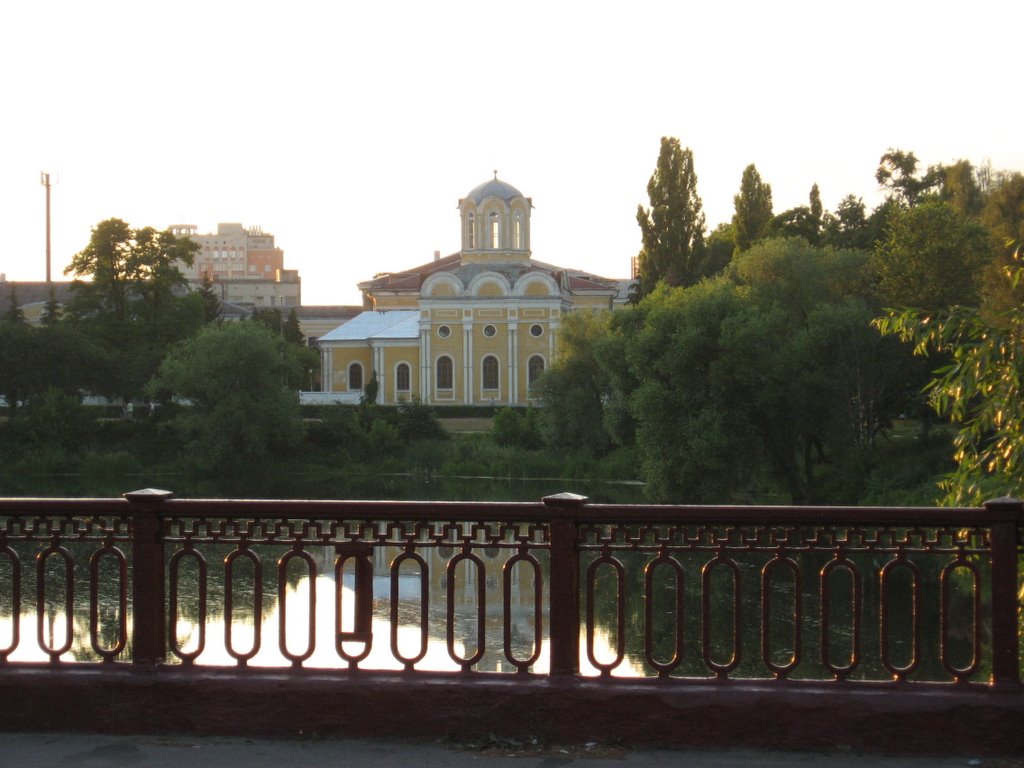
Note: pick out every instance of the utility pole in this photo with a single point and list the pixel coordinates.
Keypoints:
(44, 179)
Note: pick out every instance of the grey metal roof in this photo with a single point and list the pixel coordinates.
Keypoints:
(373, 324)
(493, 188)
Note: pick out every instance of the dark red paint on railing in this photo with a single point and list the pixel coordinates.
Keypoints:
(577, 542)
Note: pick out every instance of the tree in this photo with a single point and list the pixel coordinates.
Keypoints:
(848, 226)
(803, 221)
(721, 244)
(770, 371)
(961, 189)
(239, 410)
(574, 387)
(210, 300)
(134, 303)
(980, 390)
(16, 347)
(133, 271)
(14, 312)
(672, 229)
(897, 173)
(692, 444)
(1003, 216)
(753, 209)
(931, 258)
(292, 331)
(817, 210)
(52, 311)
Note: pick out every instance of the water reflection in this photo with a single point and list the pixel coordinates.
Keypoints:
(445, 609)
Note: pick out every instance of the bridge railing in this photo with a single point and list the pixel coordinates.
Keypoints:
(559, 588)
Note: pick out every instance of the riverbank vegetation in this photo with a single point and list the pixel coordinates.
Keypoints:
(770, 360)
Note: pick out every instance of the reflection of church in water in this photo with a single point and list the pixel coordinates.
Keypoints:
(476, 327)
(466, 593)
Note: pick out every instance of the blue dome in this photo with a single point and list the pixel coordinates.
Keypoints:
(493, 188)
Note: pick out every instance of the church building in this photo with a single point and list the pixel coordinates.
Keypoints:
(476, 328)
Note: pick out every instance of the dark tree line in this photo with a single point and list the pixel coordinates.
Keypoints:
(749, 357)
(132, 331)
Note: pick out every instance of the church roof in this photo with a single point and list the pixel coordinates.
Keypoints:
(372, 324)
(493, 188)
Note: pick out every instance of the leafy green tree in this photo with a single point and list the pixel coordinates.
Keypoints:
(415, 420)
(575, 386)
(693, 444)
(848, 226)
(980, 390)
(239, 412)
(961, 188)
(803, 221)
(897, 174)
(134, 272)
(16, 348)
(57, 422)
(133, 303)
(304, 363)
(1003, 215)
(513, 427)
(753, 214)
(931, 258)
(672, 229)
(720, 246)
(770, 371)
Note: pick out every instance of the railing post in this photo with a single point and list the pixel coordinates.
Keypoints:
(149, 612)
(1007, 514)
(563, 517)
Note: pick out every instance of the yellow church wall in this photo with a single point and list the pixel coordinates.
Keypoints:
(410, 355)
(530, 345)
(341, 359)
(452, 347)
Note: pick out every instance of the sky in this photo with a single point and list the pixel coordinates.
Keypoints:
(350, 130)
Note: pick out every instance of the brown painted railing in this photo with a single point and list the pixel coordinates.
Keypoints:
(795, 627)
(558, 588)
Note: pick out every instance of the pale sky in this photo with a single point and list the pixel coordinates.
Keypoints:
(350, 130)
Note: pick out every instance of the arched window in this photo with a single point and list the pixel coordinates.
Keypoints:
(534, 368)
(517, 231)
(490, 372)
(402, 377)
(445, 377)
(355, 376)
(494, 229)
(470, 234)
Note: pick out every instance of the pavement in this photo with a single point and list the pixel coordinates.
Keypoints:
(29, 750)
